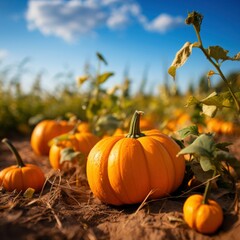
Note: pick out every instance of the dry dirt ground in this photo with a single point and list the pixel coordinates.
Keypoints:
(66, 209)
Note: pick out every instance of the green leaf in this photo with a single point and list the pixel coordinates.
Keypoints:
(101, 58)
(203, 146)
(68, 154)
(179, 142)
(217, 53)
(206, 164)
(60, 138)
(93, 107)
(107, 123)
(219, 100)
(104, 77)
(223, 146)
(192, 101)
(191, 130)
(181, 57)
(209, 110)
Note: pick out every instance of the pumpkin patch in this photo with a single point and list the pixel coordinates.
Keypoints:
(109, 171)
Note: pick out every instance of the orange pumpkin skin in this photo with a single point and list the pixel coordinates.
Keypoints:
(82, 142)
(44, 132)
(204, 218)
(22, 178)
(84, 127)
(146, 124)
(124, 170)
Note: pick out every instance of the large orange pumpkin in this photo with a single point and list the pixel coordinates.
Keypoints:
(22, 176)
(45, 131)
(124, 170)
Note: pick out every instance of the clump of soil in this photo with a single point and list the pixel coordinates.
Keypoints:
(66, 209)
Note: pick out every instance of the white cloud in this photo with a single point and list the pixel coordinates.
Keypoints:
(121, 16)
(163, 23)
(3, 54)
(71, 19)
(64, 19)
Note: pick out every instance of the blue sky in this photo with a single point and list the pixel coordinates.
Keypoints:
(138, 36)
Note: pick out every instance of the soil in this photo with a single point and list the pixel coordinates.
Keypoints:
(66, 209)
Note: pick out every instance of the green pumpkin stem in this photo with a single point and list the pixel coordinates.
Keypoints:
(208, 189)
(134, 131)
(20, 163)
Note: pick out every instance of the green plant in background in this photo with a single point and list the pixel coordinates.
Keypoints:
(105, 109)
(216, 55)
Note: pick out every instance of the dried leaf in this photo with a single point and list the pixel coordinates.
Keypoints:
(209, 110)
(82, 79)
(29, 193)
(217, 53)
(236, 57)
(180, 58)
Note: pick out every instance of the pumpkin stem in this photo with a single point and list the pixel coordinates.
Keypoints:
(134, 131)
(207, 189)
(20, 163)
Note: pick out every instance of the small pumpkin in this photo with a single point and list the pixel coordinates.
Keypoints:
(21, 176)
(125, 169)
(45, 131)
(205, 218)
(79, 142)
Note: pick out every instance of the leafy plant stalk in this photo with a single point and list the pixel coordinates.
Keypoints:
(200, 45)
(208, 189)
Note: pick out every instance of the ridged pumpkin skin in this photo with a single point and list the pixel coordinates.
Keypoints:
(44, 132)
(21, 176)
(82, 142)
(124, 170)
(204, 218)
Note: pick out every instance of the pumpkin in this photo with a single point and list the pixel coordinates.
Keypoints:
(84, 127)
(44, 132)
(204, 218)
(146, 124)
(81, 142)
(21, 176)
(125, 169)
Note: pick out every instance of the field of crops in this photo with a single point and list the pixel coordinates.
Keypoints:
(92, 162)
